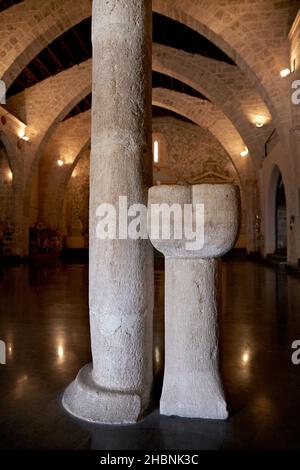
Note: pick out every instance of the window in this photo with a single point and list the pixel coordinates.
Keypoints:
(156, 151)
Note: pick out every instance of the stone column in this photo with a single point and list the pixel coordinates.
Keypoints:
(192, 386)
(116, 387)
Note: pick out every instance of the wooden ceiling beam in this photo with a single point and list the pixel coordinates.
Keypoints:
(51, 53)
(32, 75)
(81, 43)
(43, 66)
(65, 45)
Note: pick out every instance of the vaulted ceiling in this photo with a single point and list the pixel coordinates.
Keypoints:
(75, 46)
(184, 62)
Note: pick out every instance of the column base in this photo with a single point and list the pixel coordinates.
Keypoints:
(86, 400)
(189, 410)
(203, 402)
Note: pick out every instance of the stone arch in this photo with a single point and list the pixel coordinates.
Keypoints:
(60, 184)
(61, 92)
(69, 142)
(194, 155)
(211, 147)
(30, 26)
(10, 150)
(208, 116)
(5, 160)
(61, 187)
(17, 191)
(205, 115)
(78, 188)
(223, 84)
(231, 30)
(58, 94)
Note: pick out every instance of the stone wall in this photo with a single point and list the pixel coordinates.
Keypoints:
(76, 207)
(6, 204)
(190, 154)
(187, 154)
(67, 143)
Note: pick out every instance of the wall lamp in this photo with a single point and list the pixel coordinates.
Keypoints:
(284, 72)
(244, 152)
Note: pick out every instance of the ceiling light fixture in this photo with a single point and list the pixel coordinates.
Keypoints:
(60, 162)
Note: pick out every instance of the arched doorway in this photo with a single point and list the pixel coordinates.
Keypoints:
(276, 218)
(280, 219)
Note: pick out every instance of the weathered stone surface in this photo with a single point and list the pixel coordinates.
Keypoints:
(253, 34)
(221, 217)
(117, 388)
(85, 399)
(192, 386)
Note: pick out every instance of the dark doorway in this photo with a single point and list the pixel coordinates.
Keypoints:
(281, 219)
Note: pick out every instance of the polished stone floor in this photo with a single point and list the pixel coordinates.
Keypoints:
(44, 322)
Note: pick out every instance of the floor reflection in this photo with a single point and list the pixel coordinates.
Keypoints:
(44, 322)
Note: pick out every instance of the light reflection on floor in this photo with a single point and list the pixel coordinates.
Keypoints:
(44, 322)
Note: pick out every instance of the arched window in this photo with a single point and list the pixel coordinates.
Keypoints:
(156, 151)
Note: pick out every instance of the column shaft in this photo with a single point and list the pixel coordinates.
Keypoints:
(192, 387)
(120, 271)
